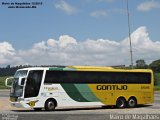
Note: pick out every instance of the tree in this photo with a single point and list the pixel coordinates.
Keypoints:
(155, 66)
(141, 64)
(8, 66)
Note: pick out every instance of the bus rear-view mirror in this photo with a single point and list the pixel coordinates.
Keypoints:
(8, 81)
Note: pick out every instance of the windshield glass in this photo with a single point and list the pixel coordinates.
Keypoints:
(17, 90)
(21, 73)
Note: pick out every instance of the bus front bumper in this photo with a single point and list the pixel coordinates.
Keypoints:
(19, 105)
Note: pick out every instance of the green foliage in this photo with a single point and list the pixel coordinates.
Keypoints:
(2, 82)
(157, 79)
(141, 64)
(157, 88)
(155, 66)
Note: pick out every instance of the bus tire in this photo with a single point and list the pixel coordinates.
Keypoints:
(121, 102)
(132, 102)
(50, 105)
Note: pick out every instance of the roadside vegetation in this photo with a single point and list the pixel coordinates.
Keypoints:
(157, 88)
(157, 79)
(2, 82)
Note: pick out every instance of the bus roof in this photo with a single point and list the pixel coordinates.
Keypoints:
(87, 68)
(90, 67)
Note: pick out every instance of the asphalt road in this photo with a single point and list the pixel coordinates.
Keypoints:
(142, 112)
(4, 93)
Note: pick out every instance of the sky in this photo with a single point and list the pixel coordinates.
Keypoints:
(79, 32)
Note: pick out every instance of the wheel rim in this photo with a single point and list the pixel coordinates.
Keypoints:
(120, 103)
(132, 102)
(50, 105)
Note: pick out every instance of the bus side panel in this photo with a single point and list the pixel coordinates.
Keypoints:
(109, 93)
(106, 97)
(71, 95)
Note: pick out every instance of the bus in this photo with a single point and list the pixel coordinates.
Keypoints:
(50, 87)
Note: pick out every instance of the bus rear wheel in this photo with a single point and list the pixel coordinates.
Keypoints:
(132, 102)
(50, 105)
(121, 103)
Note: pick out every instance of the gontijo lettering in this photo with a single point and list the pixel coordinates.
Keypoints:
(112, 87)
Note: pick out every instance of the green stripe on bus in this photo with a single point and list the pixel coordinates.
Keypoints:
(86, 92)
(73, 93)
(69, 69)
(62, 69)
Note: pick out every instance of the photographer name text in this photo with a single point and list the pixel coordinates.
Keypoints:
(22, 4)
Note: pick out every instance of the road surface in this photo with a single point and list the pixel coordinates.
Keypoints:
(151, 111)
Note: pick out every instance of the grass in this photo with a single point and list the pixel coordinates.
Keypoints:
(2, 82)
(157, 79)
(156, 88)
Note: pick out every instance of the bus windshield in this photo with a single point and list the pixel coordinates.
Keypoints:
(17, 90)
(20, 73)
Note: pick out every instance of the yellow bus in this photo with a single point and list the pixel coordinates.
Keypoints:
(51, 87)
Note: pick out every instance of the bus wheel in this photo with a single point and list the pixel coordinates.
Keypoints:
(49, 105)
(121, 102)
(132, 102)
